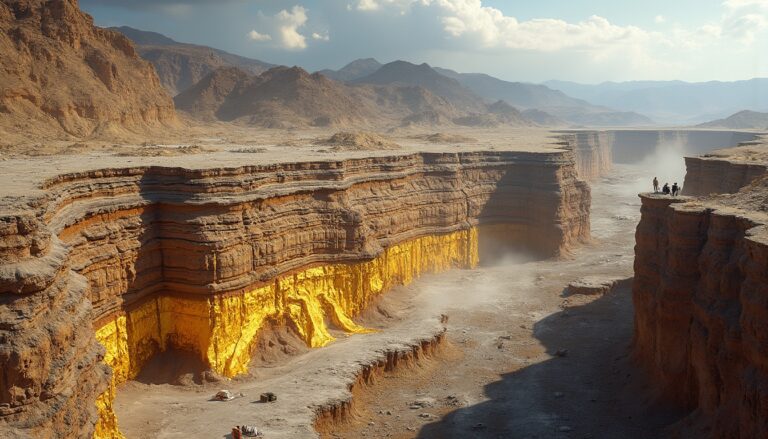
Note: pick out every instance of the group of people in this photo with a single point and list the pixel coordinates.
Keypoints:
(245, 430)
(666, 190)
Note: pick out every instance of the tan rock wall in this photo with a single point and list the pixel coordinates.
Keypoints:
(701, 303)
(100, 242)
(706, 176)
(593, 152)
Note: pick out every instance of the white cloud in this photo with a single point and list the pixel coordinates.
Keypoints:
(744, 20)
(735, 4)
(283, 29)
(367, 5)
(659, 19)
(489, 27)
(256, 36)
(321, 37)
(288, 25)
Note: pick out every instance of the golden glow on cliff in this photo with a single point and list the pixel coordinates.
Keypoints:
(223, 329)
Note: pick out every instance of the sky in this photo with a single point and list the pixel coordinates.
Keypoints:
(519, 40)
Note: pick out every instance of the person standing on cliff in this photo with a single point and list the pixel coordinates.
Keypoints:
(655, 185)
(665, 190)
(675, 189)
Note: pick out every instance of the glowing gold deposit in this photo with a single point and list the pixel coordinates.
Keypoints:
(223, 329)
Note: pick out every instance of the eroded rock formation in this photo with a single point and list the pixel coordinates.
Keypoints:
(61, 74)
(701, 303)
(593, 150)
(145, 259)
(725, 171)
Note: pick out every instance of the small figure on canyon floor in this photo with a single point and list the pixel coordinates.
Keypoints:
(675, 189)
(236, 434)
(655, 185)
(665, 190)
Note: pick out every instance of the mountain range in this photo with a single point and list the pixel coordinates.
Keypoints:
(674, 102)
(286, 97)
(551, 106)
(181, 65)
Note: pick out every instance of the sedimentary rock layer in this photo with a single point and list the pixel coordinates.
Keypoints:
(593, 151)
(707, 175)
(158, 257)
(701, 303)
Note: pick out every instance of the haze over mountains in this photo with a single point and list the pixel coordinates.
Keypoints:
(287, 97)
(743, 120)
(674, 102)
(180, 66)
(551, 106)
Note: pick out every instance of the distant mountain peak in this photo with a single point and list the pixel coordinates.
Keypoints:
(181, 65)
(354, 70)
(742, 120)
(143, 37)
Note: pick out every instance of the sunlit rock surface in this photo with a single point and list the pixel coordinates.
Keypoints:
(200, 259)
(701, 300)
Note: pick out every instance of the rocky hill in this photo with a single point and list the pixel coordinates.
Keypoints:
(355, 70)
(286, 97)
(540, 97)
(743, 120)
(407, 74)
(181, 65)
(62, 75)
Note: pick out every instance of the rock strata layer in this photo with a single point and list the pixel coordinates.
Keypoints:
(701, 302)
(144, 259)
(705, 175)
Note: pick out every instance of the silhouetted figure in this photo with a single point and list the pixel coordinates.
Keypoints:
(655, 185)
(675, 189)
(665, 190)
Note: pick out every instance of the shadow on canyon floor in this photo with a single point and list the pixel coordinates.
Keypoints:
(588, 389)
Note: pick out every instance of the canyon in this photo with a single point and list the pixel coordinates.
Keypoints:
(700, 296)
(201, 257)
(155, 258)
(396, 282)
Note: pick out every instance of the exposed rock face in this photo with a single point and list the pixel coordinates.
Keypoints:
(200, 260)
(179, 65)
(286, 97)
(725, 171)
(706, 176)
(593, 151)
(60, 73)
(700, 289)
(635, 146)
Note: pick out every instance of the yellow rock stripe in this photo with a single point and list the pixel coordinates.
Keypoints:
(224, 329)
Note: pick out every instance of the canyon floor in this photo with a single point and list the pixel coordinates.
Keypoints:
(521, 357)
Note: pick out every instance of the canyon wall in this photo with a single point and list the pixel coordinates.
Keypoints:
(701, 306)
(593, 152)
(709, 175)
(110, 267)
